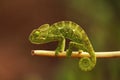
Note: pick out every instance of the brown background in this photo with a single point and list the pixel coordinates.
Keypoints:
(17, 19)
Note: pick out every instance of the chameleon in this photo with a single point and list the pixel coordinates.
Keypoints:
(62, 30)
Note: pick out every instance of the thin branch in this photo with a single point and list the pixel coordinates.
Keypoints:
(111, 54)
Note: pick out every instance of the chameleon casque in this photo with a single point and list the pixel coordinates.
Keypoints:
(59, 31)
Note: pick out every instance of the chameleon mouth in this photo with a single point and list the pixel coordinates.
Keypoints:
(36, 39)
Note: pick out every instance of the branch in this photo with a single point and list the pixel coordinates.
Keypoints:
(111, 54)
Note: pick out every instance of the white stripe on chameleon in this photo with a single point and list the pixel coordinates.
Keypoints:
(70, 24)
(55, 24)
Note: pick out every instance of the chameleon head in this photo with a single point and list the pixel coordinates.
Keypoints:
(38, 36)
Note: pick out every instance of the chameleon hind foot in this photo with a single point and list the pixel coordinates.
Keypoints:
(80, 51)
(69, 52)
(78, 46)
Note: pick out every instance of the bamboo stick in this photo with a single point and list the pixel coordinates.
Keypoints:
(111, 54)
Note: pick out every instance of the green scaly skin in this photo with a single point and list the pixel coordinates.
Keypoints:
(59, 32)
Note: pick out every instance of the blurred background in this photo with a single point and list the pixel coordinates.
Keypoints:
(99, 18)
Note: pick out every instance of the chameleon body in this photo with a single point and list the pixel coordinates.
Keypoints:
(59, 31)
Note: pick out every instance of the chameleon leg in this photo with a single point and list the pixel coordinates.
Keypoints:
(72, 45)
(61, 44)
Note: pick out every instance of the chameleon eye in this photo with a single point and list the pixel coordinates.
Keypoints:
(37, 32)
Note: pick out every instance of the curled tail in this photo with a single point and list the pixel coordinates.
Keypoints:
(88, 63)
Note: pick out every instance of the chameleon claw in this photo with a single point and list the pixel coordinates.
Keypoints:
(58, 50)
(56, 53)
(69, 52)
(80, 51)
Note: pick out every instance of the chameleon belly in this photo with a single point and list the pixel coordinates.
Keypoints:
(70, 30)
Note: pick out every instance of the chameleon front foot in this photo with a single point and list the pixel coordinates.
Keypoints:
(58, 50)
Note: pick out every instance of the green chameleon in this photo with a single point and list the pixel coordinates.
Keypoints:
(70, 30)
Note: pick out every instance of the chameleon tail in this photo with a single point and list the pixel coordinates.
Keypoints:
(86, 64)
